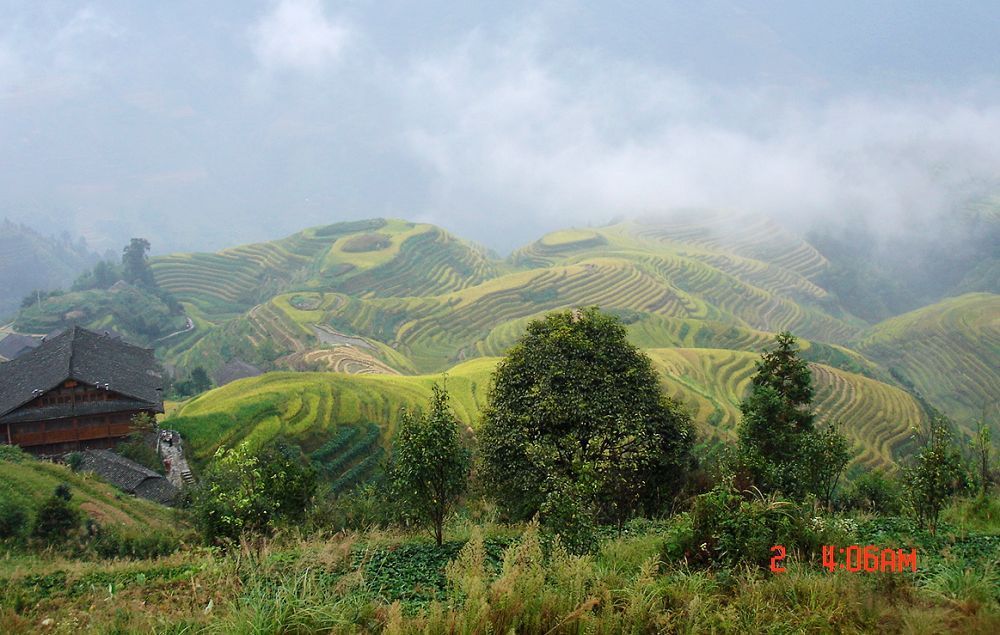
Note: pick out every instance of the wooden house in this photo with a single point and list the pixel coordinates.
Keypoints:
(77, 390)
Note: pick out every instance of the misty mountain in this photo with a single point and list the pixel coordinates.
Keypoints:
(30, 261)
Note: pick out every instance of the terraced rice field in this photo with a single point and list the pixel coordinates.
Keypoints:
(950, 351)
(877, 418)
(313, 408)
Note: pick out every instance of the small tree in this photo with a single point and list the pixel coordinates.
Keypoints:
(826, 454)
(199, 380)
(55, 518)
(779, 447)
(776, 418)
(430, 466)
(936, 473)
(13, 517)
(135, 264)
(982, 447)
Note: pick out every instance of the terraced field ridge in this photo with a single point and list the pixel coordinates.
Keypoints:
(397, 301)
(949, 351)
(330, 413)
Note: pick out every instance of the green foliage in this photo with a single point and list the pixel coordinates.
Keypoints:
(779, 448)
(197, 383)
(936, 473)
(56, 519)
(574, 402)
(874, 492)
(114, 542)
(727, 527)
(12, 454)
(134, 447)
(247, 494)
(825, 455)
(430, 466)
(135, 264)
(74, 460)
(13, 517)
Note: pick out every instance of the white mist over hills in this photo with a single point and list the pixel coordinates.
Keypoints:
(207, 126)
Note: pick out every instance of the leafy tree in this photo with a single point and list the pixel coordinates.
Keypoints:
(247, 494)
(779, 449)
(55, 518)
(824, 459)
(936, 473)
(574, 403)
(430, 466)
(135, 264)
(982, 447)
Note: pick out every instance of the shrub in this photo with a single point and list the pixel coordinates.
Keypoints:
(13, 517)
(112, 542)
(936, 474)
(55, 519)
(874, 492)
(246, 493)
(74, 460)
(729, 528)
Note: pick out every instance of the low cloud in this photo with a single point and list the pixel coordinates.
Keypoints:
(298, 35)
(580, 138)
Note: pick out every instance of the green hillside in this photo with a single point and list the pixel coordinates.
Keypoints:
(949, 351)
(390, 304)
(30, 481)
(314, 408)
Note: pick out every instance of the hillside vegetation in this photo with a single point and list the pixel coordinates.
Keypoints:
(399, 302)
(30, 482)
(313, 408)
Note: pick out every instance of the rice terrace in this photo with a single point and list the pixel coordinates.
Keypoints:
(323, 317)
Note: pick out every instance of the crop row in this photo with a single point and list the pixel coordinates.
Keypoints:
(361, 471)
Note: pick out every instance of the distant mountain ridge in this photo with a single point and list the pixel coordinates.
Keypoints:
(30, 261)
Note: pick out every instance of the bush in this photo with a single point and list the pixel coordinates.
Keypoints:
(135, 448)
(874, 492)
(247, 493)
(56, 520)
(112, 542)
(13, 517)
(74, 460)
(730, 528)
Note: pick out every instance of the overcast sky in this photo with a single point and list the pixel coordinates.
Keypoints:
(206, 124)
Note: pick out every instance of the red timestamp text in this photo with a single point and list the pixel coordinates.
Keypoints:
(856, 558)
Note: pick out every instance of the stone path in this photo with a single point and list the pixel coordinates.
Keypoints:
(170, 447)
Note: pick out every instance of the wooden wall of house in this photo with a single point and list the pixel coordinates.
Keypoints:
(72, 432)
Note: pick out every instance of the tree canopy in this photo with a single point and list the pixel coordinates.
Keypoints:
(430, 466)
(577, 414)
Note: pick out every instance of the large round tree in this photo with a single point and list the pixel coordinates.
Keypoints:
(577, 420)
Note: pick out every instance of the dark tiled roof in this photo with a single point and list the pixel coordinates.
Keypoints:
(64, 410)
(235, 369)
(128, 476)
(15, 345)
(87, 357)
